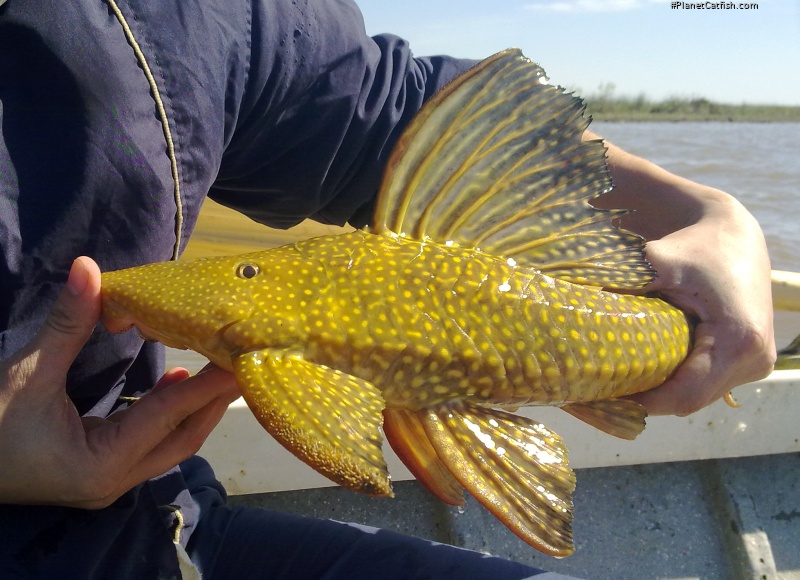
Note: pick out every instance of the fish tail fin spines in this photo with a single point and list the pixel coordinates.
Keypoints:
(327, 418)
(515, 467)
(789, 356)
(496, 160)
(406, 434)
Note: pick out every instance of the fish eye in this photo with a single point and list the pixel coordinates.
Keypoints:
(247, 270)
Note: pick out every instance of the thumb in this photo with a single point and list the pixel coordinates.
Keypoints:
(71, 319)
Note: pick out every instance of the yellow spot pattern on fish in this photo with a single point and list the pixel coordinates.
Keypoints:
(475, 291)
(436, 318)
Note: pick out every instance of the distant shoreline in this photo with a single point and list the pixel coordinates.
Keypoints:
(682, 110)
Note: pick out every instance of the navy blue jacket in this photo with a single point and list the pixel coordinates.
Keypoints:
(114, 126)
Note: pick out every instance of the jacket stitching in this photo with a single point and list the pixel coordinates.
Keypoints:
(162, 113)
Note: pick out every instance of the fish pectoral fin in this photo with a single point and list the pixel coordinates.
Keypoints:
(515, 467)
(407, 436)
(328, 419)
(622, 418)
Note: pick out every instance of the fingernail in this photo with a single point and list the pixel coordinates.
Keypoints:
(78, 278)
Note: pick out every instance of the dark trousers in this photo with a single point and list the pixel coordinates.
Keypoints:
(246, 543)
(133, 539)
(255, 543)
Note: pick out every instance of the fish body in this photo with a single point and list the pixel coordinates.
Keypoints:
(424, 322)
(483, 284)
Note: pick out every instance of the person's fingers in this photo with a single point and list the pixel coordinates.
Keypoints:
(160, 430)
(145, 425)
(67, 327)
(172, 376)
(181, 443)
(723, 356)
(680, 395)
(727, 294)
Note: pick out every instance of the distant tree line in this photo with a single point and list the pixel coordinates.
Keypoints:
(606, 106)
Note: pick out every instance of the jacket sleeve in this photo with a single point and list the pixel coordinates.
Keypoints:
(322, 107)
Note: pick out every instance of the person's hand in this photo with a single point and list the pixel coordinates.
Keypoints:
(50, 455)
(712, 261)
(718, 270)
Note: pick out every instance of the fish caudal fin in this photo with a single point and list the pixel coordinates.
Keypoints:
(622, 418)
(342, 440)
(789, 357)
(515, 467)
(496, 161)
(406, 434)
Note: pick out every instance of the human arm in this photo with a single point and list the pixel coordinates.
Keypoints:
(304, 120)
(51, 455)
(711, 259)
(321, 115)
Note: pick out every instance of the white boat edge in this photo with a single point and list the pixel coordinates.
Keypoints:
(247, 460)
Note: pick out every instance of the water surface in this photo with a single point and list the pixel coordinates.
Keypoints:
(758, 163)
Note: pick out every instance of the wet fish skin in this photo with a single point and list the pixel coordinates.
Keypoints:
(423, 322)
(477, 289)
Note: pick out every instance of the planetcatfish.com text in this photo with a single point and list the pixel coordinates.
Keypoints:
(714, 5)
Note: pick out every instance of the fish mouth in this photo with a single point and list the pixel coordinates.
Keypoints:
(215, 343)
(115, 318)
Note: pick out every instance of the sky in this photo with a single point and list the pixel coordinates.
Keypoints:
(623, 47)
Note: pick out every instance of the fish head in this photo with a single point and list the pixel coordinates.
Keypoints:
(199, 304)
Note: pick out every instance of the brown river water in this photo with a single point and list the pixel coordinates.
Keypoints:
(758, 163)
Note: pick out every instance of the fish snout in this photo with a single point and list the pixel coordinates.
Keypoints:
(115, 317)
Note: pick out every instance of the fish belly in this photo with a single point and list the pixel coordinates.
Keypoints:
(427, 323)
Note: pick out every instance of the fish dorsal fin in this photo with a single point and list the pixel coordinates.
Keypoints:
(327, 418)
(496, 161)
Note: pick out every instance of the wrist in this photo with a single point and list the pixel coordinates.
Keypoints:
(661, 202)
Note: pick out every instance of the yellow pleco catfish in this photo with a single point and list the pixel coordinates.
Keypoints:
(486, 281)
